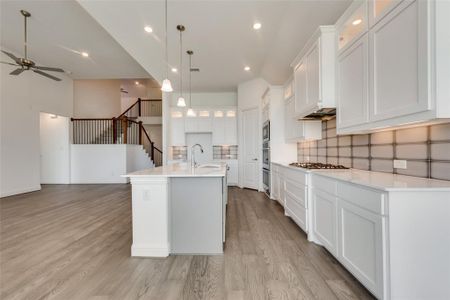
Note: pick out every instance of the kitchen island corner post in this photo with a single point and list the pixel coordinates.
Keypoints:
(150, 210)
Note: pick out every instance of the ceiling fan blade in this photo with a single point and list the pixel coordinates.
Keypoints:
(46, 75)
(7, 63)
(17, 71)
(49, 69)
(12, 56)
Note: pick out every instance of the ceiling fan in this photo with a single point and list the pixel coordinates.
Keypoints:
(26, 64)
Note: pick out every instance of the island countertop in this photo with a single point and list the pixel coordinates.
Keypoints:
(182, 170)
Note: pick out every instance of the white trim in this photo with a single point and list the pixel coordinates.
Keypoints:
(145, 250)
(20, 191)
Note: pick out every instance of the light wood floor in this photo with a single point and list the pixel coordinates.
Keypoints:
(73, 242)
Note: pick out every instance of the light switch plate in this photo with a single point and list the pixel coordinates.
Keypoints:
(399, 164)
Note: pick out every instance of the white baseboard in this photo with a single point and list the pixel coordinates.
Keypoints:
(148, 251)
(101, 181)
(20, 191)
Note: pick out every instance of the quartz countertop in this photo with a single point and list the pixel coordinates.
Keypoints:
(380, 180)
(182, 170)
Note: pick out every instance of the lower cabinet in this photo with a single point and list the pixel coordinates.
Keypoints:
(361, 244)
(325, 219)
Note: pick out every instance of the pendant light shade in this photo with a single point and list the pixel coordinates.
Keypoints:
(166, 85)
(181, 102)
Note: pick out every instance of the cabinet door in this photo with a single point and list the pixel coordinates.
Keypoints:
(275, 190)
(399, 62)
(218, 131)
(352, 84)
(361, 245)
(190, 124)
(300, 88)
(177, 136)
(313, 93)
(325, 219)
(380, 8)
(232, 172)
(352, 25)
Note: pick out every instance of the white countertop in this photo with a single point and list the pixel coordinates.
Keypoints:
(380, 180)
(181, 170)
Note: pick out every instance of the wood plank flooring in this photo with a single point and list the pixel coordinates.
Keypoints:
(73, 242)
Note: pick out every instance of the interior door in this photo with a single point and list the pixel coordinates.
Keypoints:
(251, 148)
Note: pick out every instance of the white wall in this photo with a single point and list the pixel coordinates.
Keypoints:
(249, 96)
(55, 149)
(96, 98)
(106, 163)
(22, 98)
(207, 99)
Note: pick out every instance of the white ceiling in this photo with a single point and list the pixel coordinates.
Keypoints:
(58, 31)
(220, 33)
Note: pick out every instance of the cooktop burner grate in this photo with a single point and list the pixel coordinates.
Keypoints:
(310, 165)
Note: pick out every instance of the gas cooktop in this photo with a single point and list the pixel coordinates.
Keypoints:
(310, 165)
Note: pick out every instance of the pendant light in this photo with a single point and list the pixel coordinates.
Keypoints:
(166, 85)
(190, 112)
(181, 102)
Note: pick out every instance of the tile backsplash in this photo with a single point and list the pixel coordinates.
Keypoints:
(426, 149)
(225, 152)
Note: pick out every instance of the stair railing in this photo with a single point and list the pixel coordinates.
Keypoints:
(121, 130)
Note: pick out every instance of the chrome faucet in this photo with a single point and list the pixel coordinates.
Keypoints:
(193, 162)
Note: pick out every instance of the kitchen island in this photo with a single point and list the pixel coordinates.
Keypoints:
(178, 209)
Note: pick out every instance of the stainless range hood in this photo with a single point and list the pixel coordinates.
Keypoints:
(321, 114)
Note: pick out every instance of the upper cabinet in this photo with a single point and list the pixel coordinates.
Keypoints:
(224, 127)
(201, 121)
(298, 130)
(391, 72)
(314, 73)
(177, 136)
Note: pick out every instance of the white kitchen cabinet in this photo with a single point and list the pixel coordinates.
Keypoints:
(324, 221)
(314, 73)
(377, 9)
(177, 131)
(408, 70)
(296, 202)
(275, 182)
(352, 25)
(353, 84)
(296, 130)
(201, 122)
(361, 244)
(224, 127)
(232, 172)
(399, 62)
(288, 91)
(301, 99)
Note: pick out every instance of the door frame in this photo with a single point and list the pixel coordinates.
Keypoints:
(242, 147)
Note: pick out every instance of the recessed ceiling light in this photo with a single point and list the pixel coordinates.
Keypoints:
(84, 54)
(148, 29)
(257, 26)
(357, 22)
(136, 82)
(247, 68)
(174, 70)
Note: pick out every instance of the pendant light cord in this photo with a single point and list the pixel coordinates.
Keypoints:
(190, 80)
(181, 63)
(167, 52)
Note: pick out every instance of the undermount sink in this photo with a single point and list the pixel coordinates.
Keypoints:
(209, 166)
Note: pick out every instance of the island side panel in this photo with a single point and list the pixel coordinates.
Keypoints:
(196, 205)
(150, 213)
(419, 242)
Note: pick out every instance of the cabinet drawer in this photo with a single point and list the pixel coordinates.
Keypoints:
(296, 212)
(324, 184)
(296, 176)
(365, 198)
(297, 192)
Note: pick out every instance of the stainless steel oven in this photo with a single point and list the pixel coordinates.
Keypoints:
(266, 131)
(266, 181)
(266, 155)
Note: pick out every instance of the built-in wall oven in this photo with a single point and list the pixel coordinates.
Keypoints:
(266, 157)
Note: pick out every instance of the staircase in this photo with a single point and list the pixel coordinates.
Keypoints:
(125, 129)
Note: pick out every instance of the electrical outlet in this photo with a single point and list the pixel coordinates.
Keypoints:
(399, 164)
